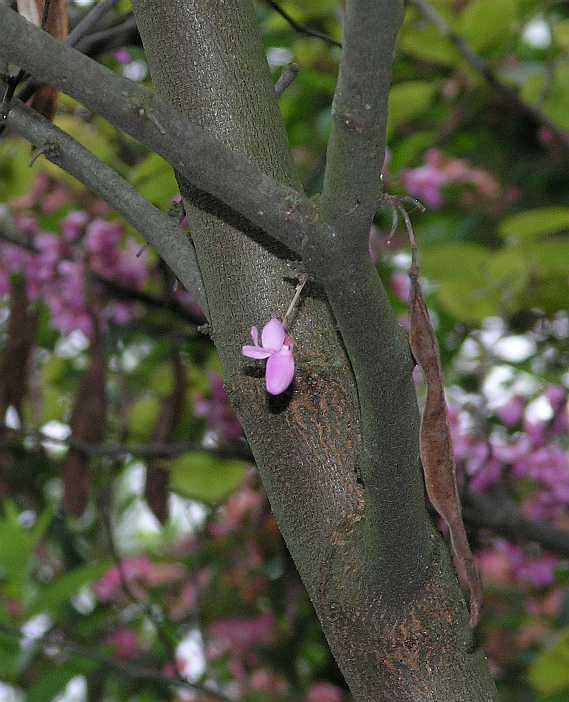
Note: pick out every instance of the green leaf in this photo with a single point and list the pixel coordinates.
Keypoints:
(201, 476)
(426, 44)
(550, 93)
(162, 380)
(54, 404)
(408, 100)
(556, 103)
(547, 257)
(475, 282)
(535, 223)
(50, 684)
(485, 23)
(56, 679)
(549, 672)
(467, 300)
(408, 151)
(561, 34)
(10, 655)
(16, 176)
(18, 544)
(507, 278)
(454, 261)
(142, 415)
(58, 593)
(154, 179)
(89, 137)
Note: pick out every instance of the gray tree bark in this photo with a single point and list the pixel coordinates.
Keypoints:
(377, 572)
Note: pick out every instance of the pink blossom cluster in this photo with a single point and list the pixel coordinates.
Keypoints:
(428, 181)
(139, 573)
(57, 267)
(324, 692)
(531, 458)
(531, 452)
(240, 635)
(243, 506)
(125, 644)
(505, 563)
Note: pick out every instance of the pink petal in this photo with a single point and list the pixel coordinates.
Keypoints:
(255, 335)
(273, 335)
(255, 352)
(280, 372)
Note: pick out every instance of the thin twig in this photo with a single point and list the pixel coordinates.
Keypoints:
(122, 34)
(91, 18)
(302, 28)
(135, 673)
(237, 451)
(158, 302)
(79, 32)
(156, 619)
(484, 69)
(504, 518)
(13, 82)
(302, 280)
(280, 211)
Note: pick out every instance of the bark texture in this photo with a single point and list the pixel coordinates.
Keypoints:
(398, 636)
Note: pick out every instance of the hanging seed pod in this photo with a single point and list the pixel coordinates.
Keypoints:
(156, 489)
(437, 455)
(88, 422)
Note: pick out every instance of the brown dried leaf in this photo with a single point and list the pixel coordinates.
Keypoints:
(157, 476)
(45, 99)
(436, 450)
(157, 490)
(14, 366)
(88, 422)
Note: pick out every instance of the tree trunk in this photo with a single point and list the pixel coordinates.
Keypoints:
(396, 636)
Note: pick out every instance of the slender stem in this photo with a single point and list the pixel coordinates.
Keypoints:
(76, 35)
(133, 672)
(278, 210)
(86, 23)
(302, 28)
(502, 517)
(303, 279)
(153, 616)
(238, 451)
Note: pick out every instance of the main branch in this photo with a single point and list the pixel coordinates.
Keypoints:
(276, 209)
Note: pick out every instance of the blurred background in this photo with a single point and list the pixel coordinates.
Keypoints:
(139, 560)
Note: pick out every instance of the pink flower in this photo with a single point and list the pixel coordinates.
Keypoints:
(240, 635)
(125, 644)
(324, 692)
(276, 346)
(401, 286)
(539, 572)
(73, 225)
(268, 682)
(110, 585)
(122, 56)
(512, 412)
(426, 183)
